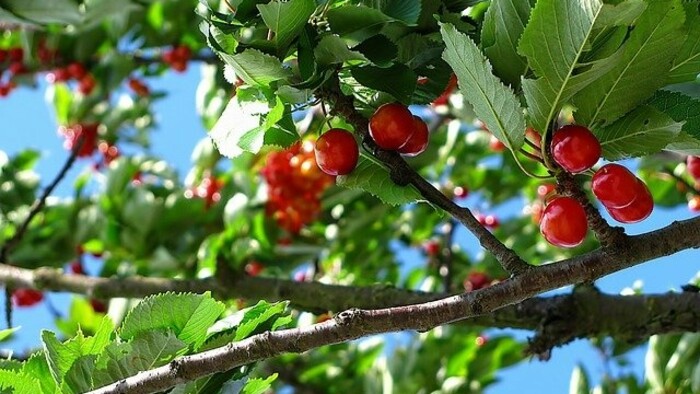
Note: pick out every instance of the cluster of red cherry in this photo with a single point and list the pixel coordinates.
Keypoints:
(209, 189)
(177, 57)
(624, 196)
(11, 59)
(392, 127)
(74, 71)
(73, 134)
(295, 186)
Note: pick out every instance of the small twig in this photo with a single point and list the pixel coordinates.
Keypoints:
(447, 260)
(39, 204)
(402, 174)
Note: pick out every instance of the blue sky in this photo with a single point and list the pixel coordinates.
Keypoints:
(28, 122)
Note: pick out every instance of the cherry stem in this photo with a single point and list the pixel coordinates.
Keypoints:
(532, 144)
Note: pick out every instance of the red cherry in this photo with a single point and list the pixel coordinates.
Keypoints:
(109, 152)
(445, 95)
(545, 190)
(693, 163)
(98, 306)
(254, 268)
(77, 70)
(575, 148)
(419, 139)
(336, 152)
(15, 54)
(694, 204)
(461, 192)
(639, 209)
(496, 145)
(3, 55)
(5, 90)
(182, 53)
(564, 222)
(87, 84)
(77, 268)
(431, 248)
(58, 75)
(480, 341)
(17, 68)
(533, 136)
(615, 186)
(476, 280)
(26, 297)
(139, 87)
(73, 135)
(491, 221)
(391, 126)
(179, 66)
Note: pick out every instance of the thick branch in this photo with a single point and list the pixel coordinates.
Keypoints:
(356, 323)
(403, 174)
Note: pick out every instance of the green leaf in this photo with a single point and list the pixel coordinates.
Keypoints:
(7, 333)
(378, 49)
(62, 102)
(55, 11)
(643, 131)
(38, 366)
(504, 23)
(187, 315)
(286, 19)
(79, 378)
(579, 381)
(681, 108)
(332, 49)
(686, 64)
(621, 14)
(404, 10)
(17, 382)
(255, 67)
(258, 385)
(397, 80)
(356, 22)
(494, 103)
(553, 51)
(644, 65)
(373, 178)
(148, 350)
(259, 318)
(238, 121)
(685, 144)
(61, 356)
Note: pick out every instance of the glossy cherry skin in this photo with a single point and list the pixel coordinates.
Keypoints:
(575, 148)
(26, 297)
(638, 210)
(391, 126)
(419, 139)
(614, 185)
(336, 152)
(693, 163)
(694, 204)
(564, 222)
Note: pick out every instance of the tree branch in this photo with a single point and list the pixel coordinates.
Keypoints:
(356, 323)
(403, 174)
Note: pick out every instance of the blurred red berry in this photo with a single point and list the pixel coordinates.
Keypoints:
(26, 297)
(254, 268)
